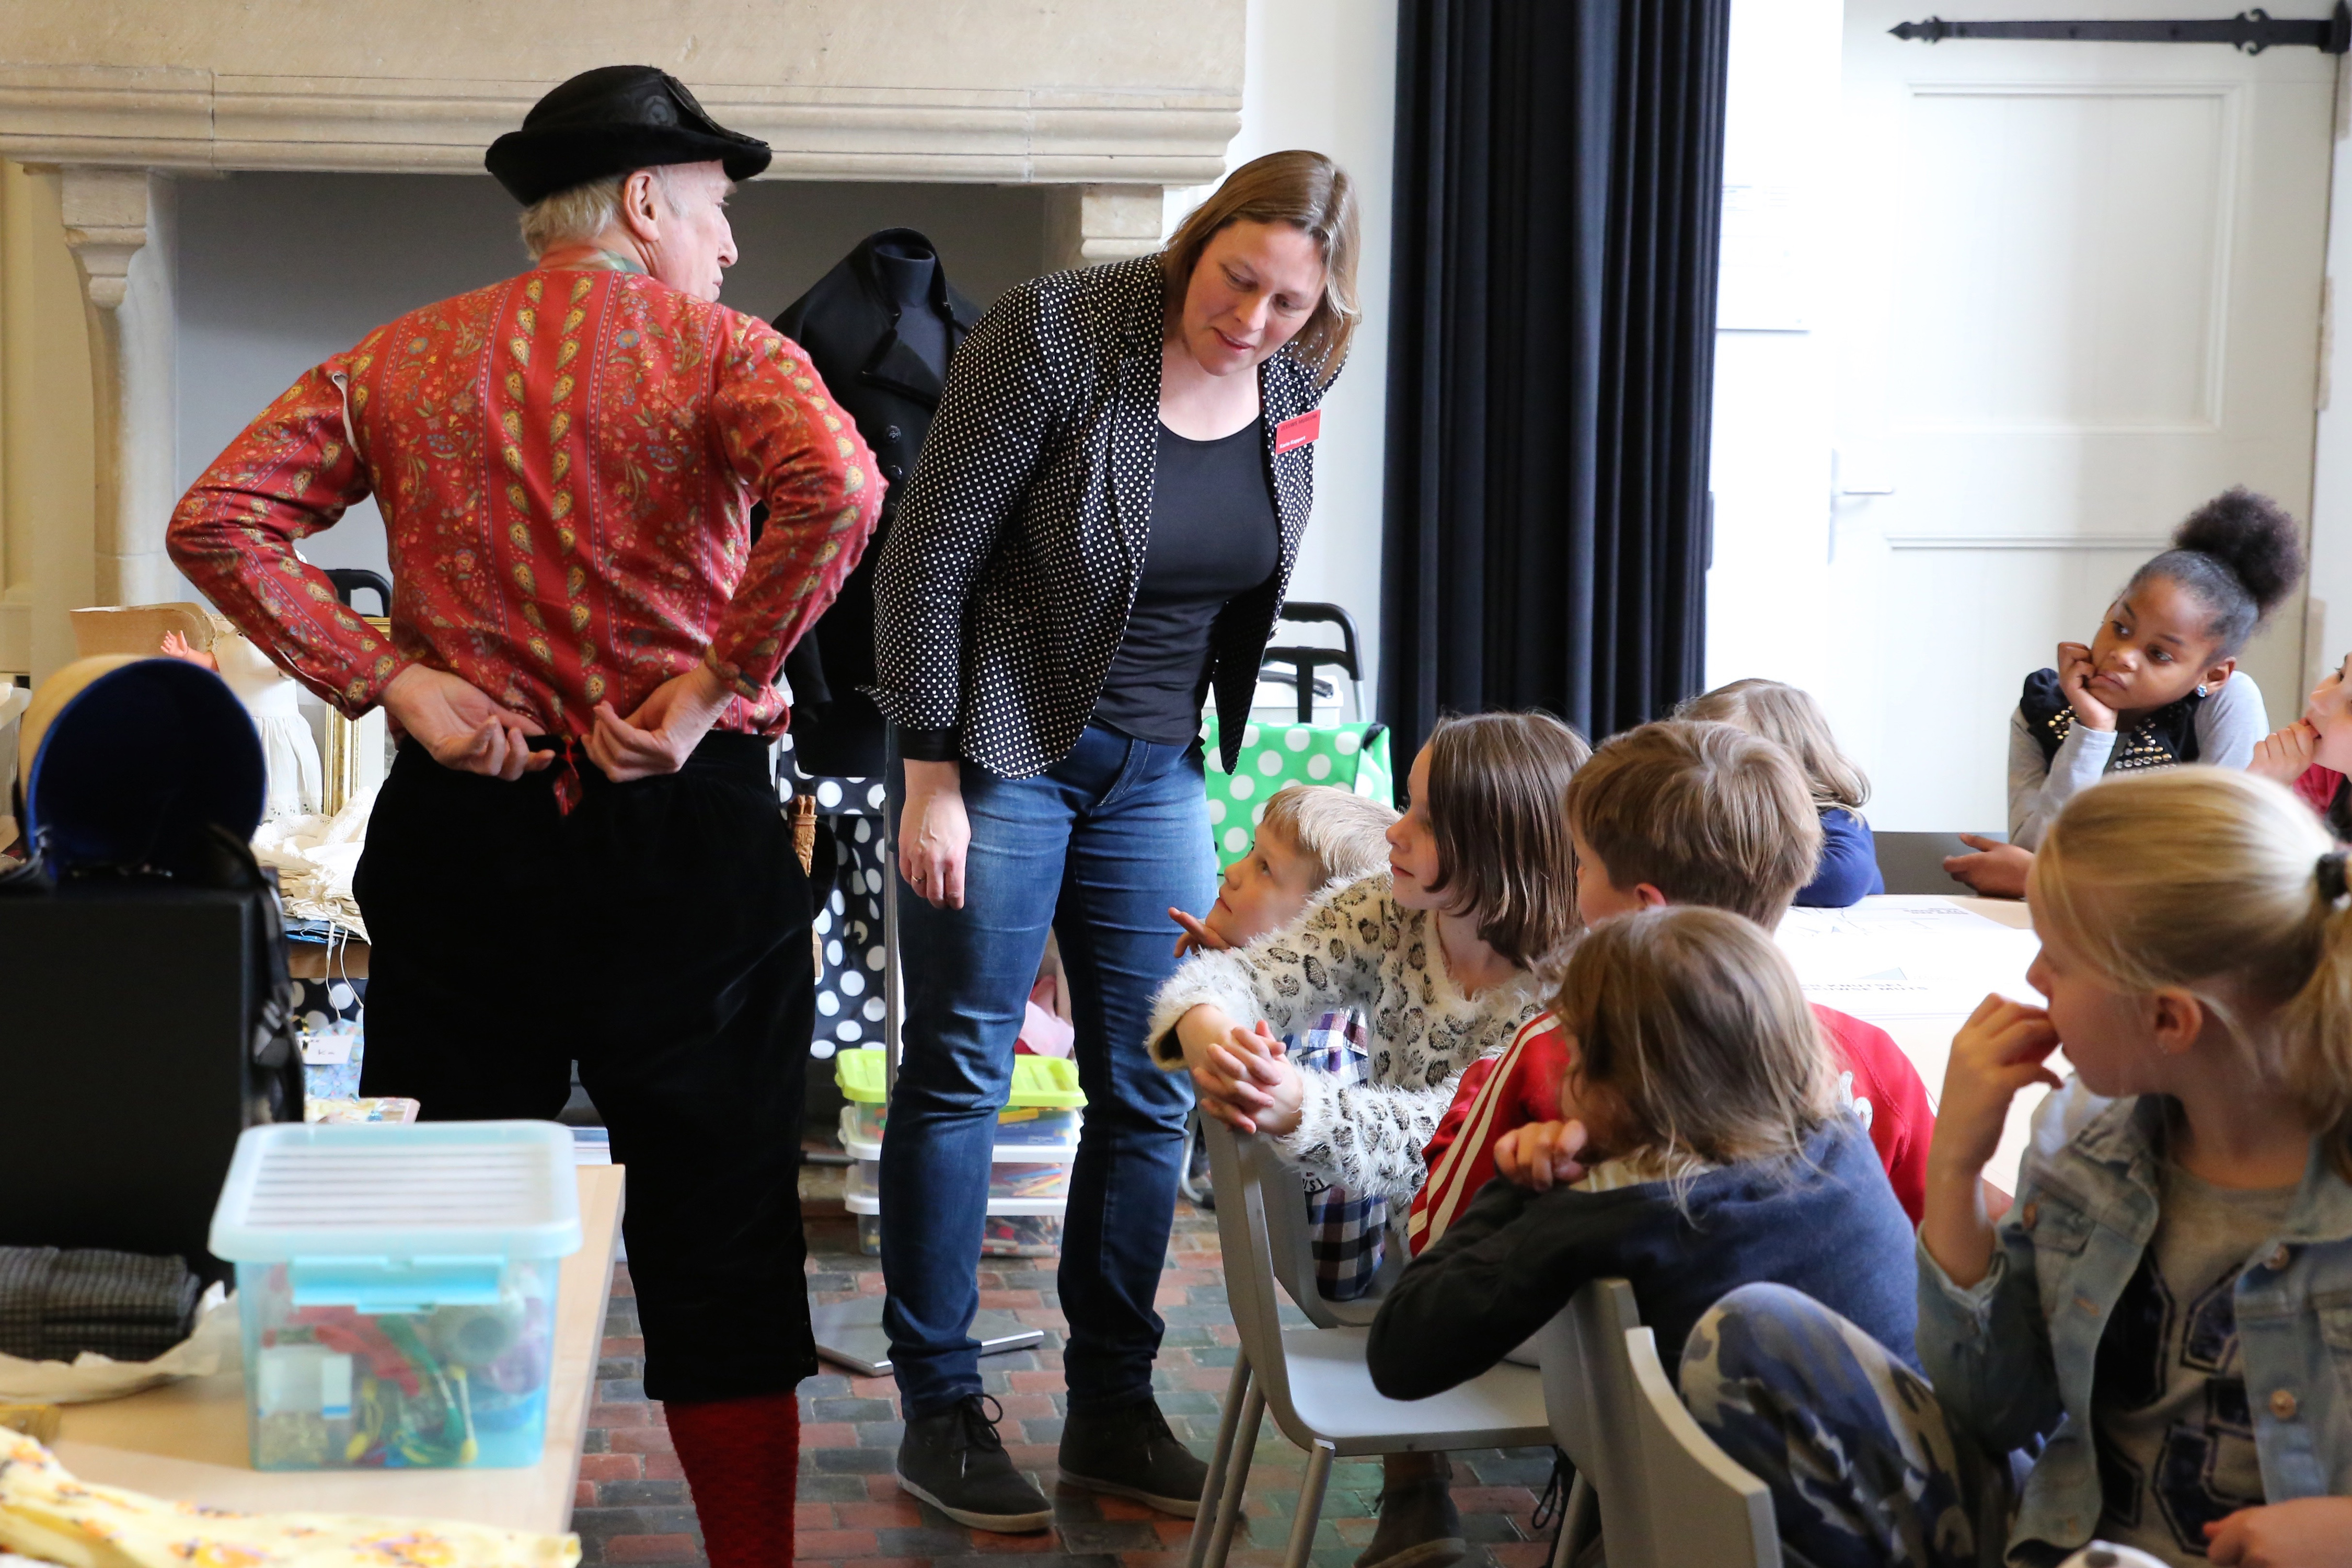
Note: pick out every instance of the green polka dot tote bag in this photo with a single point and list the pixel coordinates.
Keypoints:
(1351, 756)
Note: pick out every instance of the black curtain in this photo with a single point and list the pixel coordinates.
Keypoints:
(1558, 168)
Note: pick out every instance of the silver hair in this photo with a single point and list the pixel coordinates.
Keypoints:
(577, 216)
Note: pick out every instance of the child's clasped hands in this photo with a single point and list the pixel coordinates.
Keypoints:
(1239, 1073)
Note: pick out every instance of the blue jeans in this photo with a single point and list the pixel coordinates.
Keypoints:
(1098, 847)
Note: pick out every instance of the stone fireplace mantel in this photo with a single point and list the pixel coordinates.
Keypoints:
(1108, 102)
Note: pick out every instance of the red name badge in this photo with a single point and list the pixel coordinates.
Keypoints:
(1297, 432)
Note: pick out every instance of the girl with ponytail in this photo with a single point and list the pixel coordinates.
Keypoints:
(2159, 683)
(2166, 1313)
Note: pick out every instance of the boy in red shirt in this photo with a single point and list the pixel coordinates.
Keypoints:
(1678, 813)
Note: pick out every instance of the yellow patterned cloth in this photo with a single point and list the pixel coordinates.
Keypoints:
(46, 1515)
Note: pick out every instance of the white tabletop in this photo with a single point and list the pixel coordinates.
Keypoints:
(1916, 966)
(186, 1441)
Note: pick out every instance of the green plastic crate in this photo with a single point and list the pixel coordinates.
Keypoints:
(1041, 1083)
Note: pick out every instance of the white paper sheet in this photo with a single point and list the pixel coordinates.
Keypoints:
(1920, 958)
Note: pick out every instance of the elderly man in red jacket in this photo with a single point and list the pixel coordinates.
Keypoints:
(578, 854)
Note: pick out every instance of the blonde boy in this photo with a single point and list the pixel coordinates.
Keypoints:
(1311, 837)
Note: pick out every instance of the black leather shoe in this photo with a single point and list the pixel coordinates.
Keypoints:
(1129, 1452)
(955, 1461)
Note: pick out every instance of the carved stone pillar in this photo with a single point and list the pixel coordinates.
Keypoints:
(119, 223)
(1087, 224)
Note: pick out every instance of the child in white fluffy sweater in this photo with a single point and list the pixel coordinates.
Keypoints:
(1441, 954)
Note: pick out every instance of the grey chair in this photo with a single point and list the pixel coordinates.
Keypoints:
(1313, 1379)
(1914, 862)
(1648, 1481)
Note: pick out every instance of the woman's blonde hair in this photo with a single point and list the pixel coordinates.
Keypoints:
(2227, 885)
(1498, 806)
(1789, 715)
(1308, 192)
(1690, 1025)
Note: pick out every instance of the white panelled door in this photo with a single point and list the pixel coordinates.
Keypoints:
(2079, 293)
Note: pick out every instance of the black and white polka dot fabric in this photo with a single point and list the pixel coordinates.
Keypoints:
(849, 911)
(1004, 587)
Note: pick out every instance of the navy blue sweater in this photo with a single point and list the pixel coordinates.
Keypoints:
(1849, 867)
(1829, 1226)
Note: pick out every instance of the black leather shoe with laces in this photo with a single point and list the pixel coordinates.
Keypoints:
(1129, 1452)
(954, 1460)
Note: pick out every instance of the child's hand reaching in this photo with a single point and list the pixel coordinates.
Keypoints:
(2075, 670)
(1199, 935)
(1997, 870)
(1541, 1154)
(2284, 754)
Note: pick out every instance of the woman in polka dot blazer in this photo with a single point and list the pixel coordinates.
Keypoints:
(1098, 533)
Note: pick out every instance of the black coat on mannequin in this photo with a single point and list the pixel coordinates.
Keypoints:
(880, 328)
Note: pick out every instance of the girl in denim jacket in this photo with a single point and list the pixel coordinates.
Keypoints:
(2155, 1347)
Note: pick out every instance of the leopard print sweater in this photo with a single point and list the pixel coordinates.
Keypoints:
(1357, 948)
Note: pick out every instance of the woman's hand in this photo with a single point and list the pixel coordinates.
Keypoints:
(2003, 1049)
(1997, 870)
(2075, 668)
(2309, 1532)
(655, 740)
(934, 834)
(2284, 754)
(1541, 1154)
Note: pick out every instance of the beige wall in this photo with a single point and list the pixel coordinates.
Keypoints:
(47, 474)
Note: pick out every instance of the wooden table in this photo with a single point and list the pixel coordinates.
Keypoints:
(1926, 1037)
(186, 1441)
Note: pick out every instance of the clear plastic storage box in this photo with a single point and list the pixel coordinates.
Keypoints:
(397, 1288)
(1029, 1176)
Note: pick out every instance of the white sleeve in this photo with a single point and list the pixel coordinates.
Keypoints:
(1367, 1137)
(2037, 793)
(2230, 722)
(1325, 963)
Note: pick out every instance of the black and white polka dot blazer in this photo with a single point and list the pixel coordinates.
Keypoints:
(1004, 587)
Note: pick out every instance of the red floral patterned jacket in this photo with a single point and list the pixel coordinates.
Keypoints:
(565, 463)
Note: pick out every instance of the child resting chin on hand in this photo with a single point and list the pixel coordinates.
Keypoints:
(2157, 686)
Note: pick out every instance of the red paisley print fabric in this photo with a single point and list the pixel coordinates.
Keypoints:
(565, 463)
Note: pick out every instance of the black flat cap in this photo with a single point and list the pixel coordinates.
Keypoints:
(608, 121)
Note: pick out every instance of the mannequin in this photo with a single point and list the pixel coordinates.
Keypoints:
(906, 267)
(880, 328)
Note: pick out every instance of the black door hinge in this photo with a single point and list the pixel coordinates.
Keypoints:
(2249, 31)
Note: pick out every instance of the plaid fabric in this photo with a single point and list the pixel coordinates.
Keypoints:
(1350, 1230)
(55, 1305)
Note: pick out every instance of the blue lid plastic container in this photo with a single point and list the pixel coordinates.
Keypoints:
(396, 1286)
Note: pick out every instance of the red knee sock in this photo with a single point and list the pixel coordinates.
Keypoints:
(742, 1458)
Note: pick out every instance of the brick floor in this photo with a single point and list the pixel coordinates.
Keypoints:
(634, 1507)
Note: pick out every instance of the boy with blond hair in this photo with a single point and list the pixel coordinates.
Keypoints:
(1310, 839)
(1679, 812)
